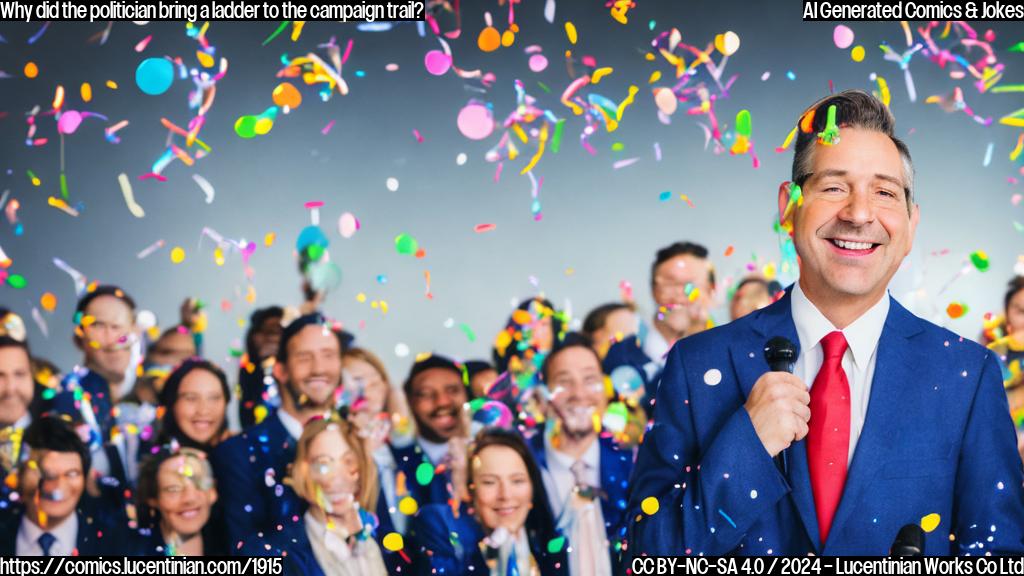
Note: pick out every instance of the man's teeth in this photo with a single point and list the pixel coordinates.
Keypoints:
(852, 245)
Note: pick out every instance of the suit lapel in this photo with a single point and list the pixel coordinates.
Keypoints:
(892, 387)
(777, 320)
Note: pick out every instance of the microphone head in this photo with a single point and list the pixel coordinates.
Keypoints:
(780, 354)
(909, 542)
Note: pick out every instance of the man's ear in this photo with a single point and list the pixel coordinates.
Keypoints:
(785, 193)
(279, 373)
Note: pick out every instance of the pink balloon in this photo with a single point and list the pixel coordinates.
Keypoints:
(538, 62)
(69, 122)
(842, 36)
(475, 122)
(437, 62)
(348, 224)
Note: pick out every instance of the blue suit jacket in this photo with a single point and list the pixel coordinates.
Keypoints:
(292, 542)
(407, 459)
(630, 352)
(241, 466)
(97, 535)
(937, 439)
(616, 468)
(450, 546)
(99, 398)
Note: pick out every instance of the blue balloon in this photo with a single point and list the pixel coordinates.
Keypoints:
(154, 76)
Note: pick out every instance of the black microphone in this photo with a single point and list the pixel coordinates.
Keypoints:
(909, 542)
(781, 355)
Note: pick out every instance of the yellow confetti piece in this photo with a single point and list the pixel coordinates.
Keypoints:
(599, 74)
(570, 31)
(650, 505)
(629, 100)
(508, 38)
(86, 92)
(393, 542)
(655, 76)
(204, 59)
(297, 30)
(930, 522)
(111, 84)
(540, 150)
(883, 91)
(268, 240)
(218, 256)
(1016, 151)
(361, 298)
(408, 506)
(178, 255)
(857, 53)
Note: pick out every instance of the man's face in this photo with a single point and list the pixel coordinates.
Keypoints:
(750, 297)
(266, 337)
(108, 327)
(675, 283)
(576, 390)
(617, 325)
(59, 480)
(853, 229)
(313, 370)
(16, 384)
(437, 396)
(170, 350)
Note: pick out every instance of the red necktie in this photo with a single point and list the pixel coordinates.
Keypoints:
(828, 436)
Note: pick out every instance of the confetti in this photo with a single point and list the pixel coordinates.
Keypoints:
(129, 196)
(650, 505)
(154, 76)
(424, 473)
(206, 187)
(392, 184)
(348, 225)
(481, 228)
(48, 301)
(930, 522)
(857, 54)
(393, 542)
(177, 255)
(956, 310)
(980, 260)
(842, 36)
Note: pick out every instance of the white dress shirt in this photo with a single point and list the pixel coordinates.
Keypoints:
(436, 451)
(858, 362)
(655, 346)
(290, 423)
(66, 534)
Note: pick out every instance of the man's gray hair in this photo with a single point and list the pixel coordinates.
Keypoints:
(854, 108)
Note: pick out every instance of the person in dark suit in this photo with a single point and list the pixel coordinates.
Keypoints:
(56, 517)
(586, 474)
(175, 499)
(106, 333)
(436, 393)
(859, 449)
(17, 393)
(261, 343)
(335, 476)
(250, 468)
(506, 527)
(683, 288)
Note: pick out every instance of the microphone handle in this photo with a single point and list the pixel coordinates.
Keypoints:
(781, 462)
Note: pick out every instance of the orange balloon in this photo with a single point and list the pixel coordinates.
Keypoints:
(48, 301)
(287, 95)
(31, 70)
(489, 39)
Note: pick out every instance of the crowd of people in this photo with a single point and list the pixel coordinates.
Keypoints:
(519, 464)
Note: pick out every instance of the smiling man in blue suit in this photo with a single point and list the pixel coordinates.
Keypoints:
(885, 419)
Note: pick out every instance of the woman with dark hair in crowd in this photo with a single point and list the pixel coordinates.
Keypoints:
(175, 502)
(506, 527)
(195, 398)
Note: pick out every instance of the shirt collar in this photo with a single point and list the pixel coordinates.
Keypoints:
(436, 451)
(66, 534)
(290, 423)
(592, 457)
(862, 334)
